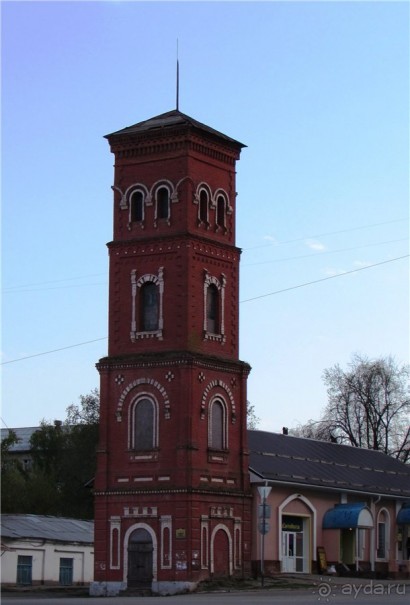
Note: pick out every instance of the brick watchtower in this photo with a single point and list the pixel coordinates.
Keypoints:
(172, 499)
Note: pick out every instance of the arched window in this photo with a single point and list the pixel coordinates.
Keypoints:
(163, 203)
(137, 207)
(212, 309)
(217, 433)
(203, 206)
(382, 534)
(147, 294)
(220, 211)
(149, 309)
(144, 417)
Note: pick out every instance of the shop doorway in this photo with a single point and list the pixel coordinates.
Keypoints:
(292, 549)
(295, 544)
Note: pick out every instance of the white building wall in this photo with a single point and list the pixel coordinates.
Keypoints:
(46, 561)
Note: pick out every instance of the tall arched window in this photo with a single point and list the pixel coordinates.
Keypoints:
(137, 207)
(382, 534)
(212, 309)
(163, 203)
(217, 419)
(220, 211)
(203, 206)
(149, 309)
(144, 419)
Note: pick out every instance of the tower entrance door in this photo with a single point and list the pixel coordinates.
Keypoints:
(140, 551)
(221, 554)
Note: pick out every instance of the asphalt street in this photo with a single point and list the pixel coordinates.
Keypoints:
(369, 593)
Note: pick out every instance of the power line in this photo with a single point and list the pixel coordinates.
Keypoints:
(242, 301)
(79, 344)
(22, 291)
(301, 239)
(54, 281)
(316, 281)
(323, 252)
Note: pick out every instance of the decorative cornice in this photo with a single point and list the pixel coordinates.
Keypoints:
(172, 359)
(189, 491)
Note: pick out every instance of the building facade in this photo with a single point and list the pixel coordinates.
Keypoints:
(172, 492)
(329, 506)
(45, 550)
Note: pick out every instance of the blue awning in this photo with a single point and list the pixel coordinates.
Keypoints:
(348, 516)
(403, 516)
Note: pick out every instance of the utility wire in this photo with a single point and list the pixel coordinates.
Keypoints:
(316, 281)
(320, 253)
(79, 344)
(241, 301)
(301, 239)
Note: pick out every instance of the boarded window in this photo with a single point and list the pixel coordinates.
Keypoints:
(144, 425)
(217, 426)
(149, 307)
(212, 309)
(137, 208)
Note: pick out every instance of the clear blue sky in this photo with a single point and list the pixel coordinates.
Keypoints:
(319, 93)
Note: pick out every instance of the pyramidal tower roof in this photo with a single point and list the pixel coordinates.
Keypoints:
(168, 121)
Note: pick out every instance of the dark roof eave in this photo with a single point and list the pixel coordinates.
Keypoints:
(176, 120)
(327, 488)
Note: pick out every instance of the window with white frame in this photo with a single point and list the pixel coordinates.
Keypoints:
(382, 534)
(163, 204)
(220, 211)
(214, 307)
(203, 207)
(136, 207)
(147, 305)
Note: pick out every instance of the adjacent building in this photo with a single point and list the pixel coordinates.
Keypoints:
(329, 506)
(37, 550)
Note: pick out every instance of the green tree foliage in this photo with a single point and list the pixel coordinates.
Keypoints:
(63, 466)
(368, 406)
(13, 478)
(252, 420)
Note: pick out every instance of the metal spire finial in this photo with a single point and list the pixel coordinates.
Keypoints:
(177, 78)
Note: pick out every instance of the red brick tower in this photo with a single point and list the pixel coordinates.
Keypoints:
(172, 499)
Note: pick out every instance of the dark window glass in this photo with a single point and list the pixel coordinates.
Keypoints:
(217, 440)
(24, 570)
(137, 206)
(66, 571)
(220, 211)
(149, 307)
(163, 203)
(144, 425)
(212, 311)
(381, 540)
(203, 207)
